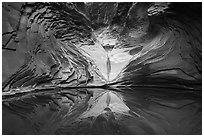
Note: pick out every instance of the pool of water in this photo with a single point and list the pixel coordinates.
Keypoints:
(138, 110)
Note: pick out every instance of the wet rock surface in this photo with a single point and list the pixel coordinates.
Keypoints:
(101, 68)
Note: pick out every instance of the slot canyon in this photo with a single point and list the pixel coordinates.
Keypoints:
(101, 68)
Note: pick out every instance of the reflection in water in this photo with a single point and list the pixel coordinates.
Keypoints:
(104, 111)
(63, 64)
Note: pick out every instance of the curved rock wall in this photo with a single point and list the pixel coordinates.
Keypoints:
(75, 44)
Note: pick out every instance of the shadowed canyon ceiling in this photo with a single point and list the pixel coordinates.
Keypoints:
(57, 46)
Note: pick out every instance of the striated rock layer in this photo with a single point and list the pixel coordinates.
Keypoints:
(71, 65)
(58, 43)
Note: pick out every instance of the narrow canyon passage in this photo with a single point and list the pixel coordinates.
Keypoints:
(101, 68)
